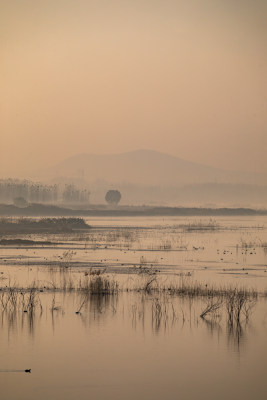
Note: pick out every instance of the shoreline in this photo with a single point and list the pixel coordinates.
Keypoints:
(36, 210)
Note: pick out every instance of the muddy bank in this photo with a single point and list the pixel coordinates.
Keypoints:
(43, 225)
(25, 242)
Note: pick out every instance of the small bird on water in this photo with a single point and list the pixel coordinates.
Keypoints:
(28, 370)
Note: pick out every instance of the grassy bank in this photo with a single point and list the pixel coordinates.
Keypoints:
(43, 225)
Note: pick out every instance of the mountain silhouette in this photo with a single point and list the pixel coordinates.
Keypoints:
(145, 167)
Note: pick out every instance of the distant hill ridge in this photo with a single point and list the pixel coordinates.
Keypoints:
(146, 167)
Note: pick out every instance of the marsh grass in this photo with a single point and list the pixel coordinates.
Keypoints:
(98, 295)
(187, 287)
(122, 238)
(236, 303)
(252, 244)
(200, 226)
(121, 235)
(165, 245)
(26, 300)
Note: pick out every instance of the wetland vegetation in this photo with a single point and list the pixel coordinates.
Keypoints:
(164, 292)
(42, 225)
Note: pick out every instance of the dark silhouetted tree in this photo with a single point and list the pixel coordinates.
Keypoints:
(113, 197)
(20, 202)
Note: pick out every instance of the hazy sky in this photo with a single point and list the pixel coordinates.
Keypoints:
(186, 77)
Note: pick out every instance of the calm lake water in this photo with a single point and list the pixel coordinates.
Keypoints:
(134, 344)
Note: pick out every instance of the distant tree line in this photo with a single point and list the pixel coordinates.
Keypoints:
(71, 194)
(11, 189)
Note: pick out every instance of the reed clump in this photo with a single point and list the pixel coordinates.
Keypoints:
(98, 284)
(237, 303)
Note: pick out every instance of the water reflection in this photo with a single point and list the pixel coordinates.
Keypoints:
(236, 336)
(213, 327)
(153, 315)
(16, 323)
(96, 308)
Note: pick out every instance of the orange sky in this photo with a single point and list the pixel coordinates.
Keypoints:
(185, 77)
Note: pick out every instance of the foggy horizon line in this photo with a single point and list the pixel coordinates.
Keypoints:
(149, 150)
(26, 171)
